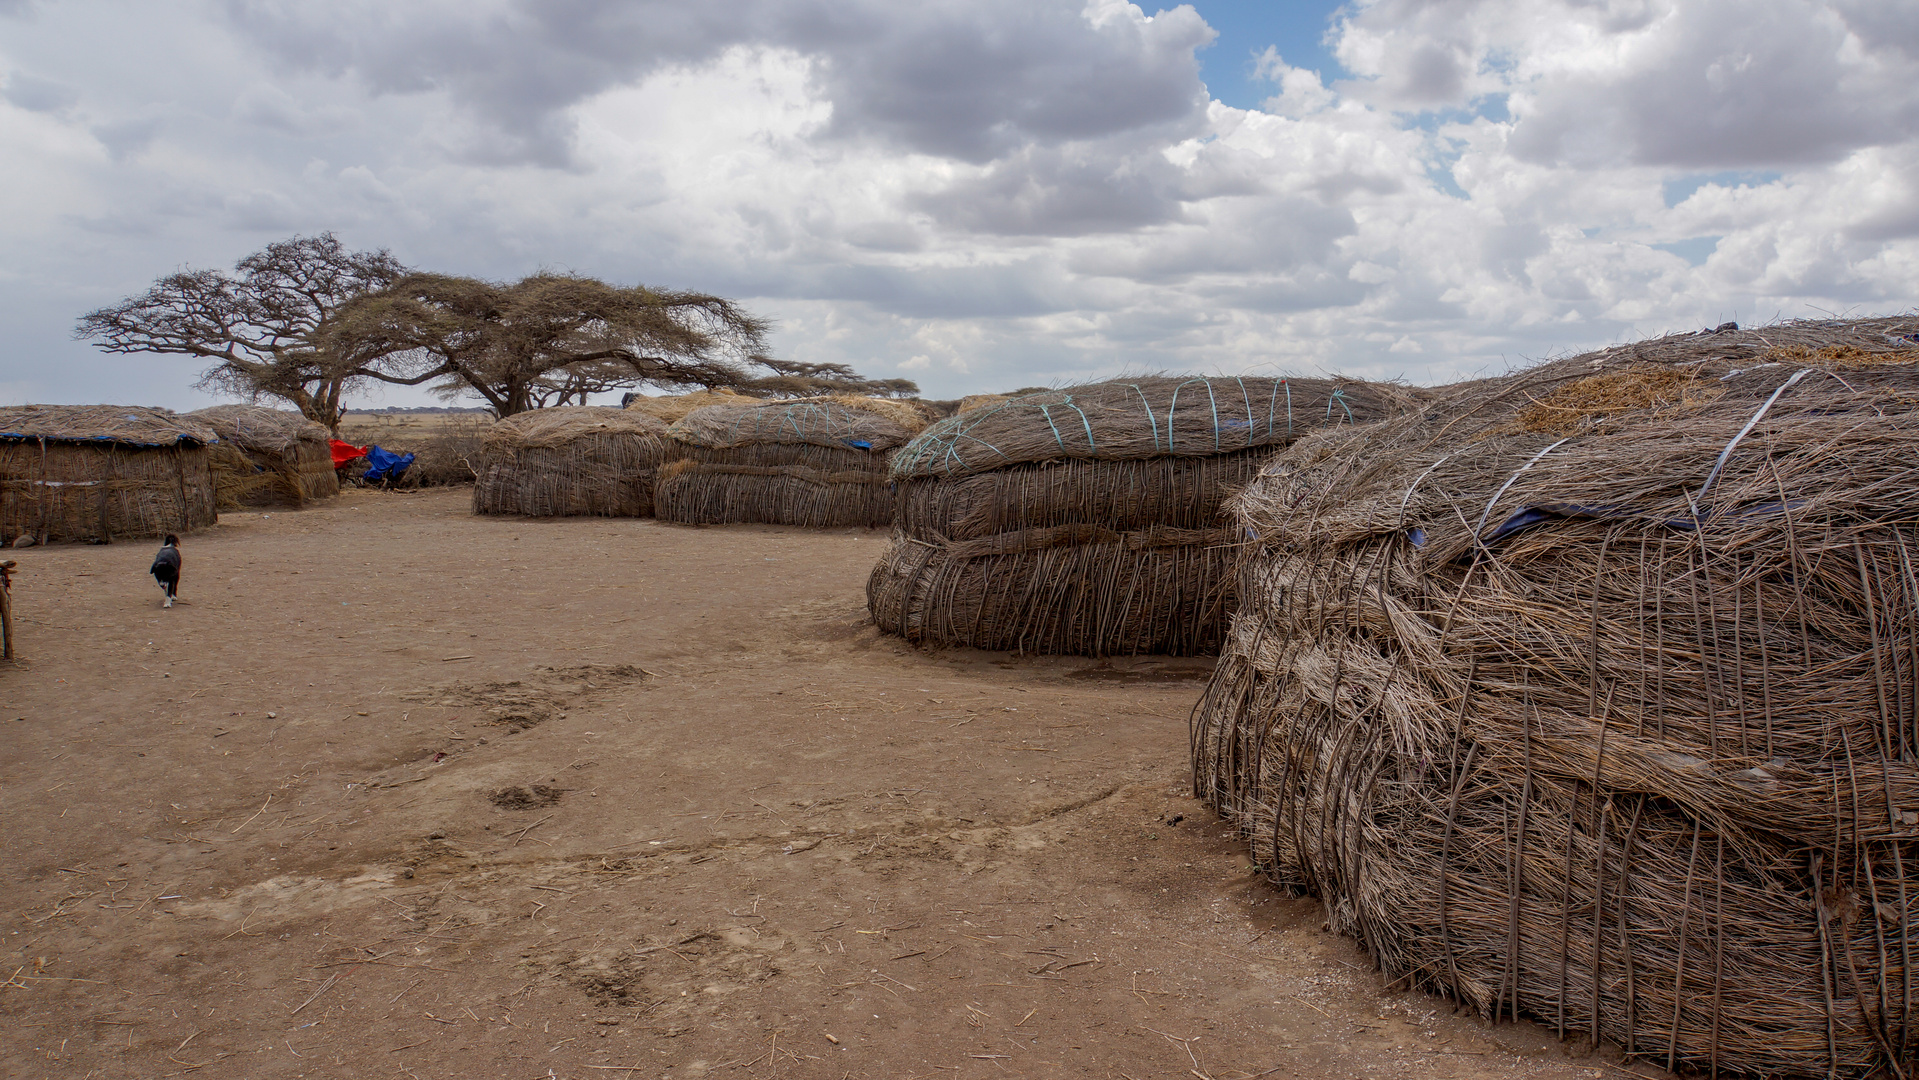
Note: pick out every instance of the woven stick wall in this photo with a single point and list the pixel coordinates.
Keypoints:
(1592, 694)
(815, 463)
(1088, 520)
(268, 457)
(694, 492)
(572, 460)
(102, 472)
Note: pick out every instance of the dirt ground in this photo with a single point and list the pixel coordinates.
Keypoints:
(400, 792)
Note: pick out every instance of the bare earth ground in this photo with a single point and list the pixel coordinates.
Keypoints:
(399, 792)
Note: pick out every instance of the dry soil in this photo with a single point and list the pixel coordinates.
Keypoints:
(400, 792)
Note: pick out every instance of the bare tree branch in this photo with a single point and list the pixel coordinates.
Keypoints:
(549, 338)
(264, 326)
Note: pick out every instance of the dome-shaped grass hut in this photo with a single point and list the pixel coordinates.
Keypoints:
(1088, 520)
(572, 460)
(1591, 693)
(814, 462)
(268, 457)
(102, 472)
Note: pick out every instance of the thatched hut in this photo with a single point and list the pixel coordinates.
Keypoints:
(1591, 693)
(572, 460)
(268, 457)
(814, 462)
(1088, 520)
(101, 472)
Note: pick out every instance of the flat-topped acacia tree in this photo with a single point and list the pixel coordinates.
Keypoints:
(547, 338)
(264, 325)
(306, 319)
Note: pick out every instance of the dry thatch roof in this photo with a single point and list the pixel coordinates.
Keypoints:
(1141, 418)
(870, 424)
(562, 424)
(1618, 429)
(254, 427)
(977, 401)
(673, 406)
(910, 415)
(132, 425)
(1592, 693)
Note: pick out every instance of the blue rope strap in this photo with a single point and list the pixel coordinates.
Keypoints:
(1174, 404)
(1047, 412)
(1246, 396)
(1087, 424)
(1150, 418)
(1214, 399)
(1340, 397)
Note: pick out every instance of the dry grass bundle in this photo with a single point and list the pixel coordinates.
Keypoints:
(911, 416)
(100, 472)
(1158, 416)
(672, 407)
(268, 457)
(1620, 729)
(702, 493)
(570, 460)
(839, 422)
(1575, 405)
(1014, 534)
(977, 401)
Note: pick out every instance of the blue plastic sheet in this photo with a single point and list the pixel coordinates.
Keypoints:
(385, 464)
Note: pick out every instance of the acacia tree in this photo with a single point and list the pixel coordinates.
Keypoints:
(795, 378)
(551, 338)
(267, 326)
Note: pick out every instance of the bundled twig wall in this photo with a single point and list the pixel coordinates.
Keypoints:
(1084, 591)
(815, 463)
(1592, 694)
(1181, 492)
(102, 472)
(1088, 520)
(694, 492)
(568, 461)
(268, 457)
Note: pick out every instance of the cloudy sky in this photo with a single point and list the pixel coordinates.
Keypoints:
(984, 194)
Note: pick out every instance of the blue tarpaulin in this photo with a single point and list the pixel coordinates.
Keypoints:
(384, 464)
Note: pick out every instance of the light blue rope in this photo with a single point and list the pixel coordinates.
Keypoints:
(1340, 397)
(1289, 406)
(1085, 423)
(1150, 418)
(1047, 412)
(1174, 404)
(1214, 399)
(1246, 396)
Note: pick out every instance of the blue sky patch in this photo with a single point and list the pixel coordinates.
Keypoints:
(1680, 189)
(1694, 249)
(1296, 28)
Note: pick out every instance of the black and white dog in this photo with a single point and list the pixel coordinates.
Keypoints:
(166, 568)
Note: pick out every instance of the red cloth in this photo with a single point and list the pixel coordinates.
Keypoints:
(344, 452)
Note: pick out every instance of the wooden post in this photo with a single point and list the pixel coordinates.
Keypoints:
(6, 609)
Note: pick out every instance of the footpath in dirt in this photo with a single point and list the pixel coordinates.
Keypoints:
(399, 792)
